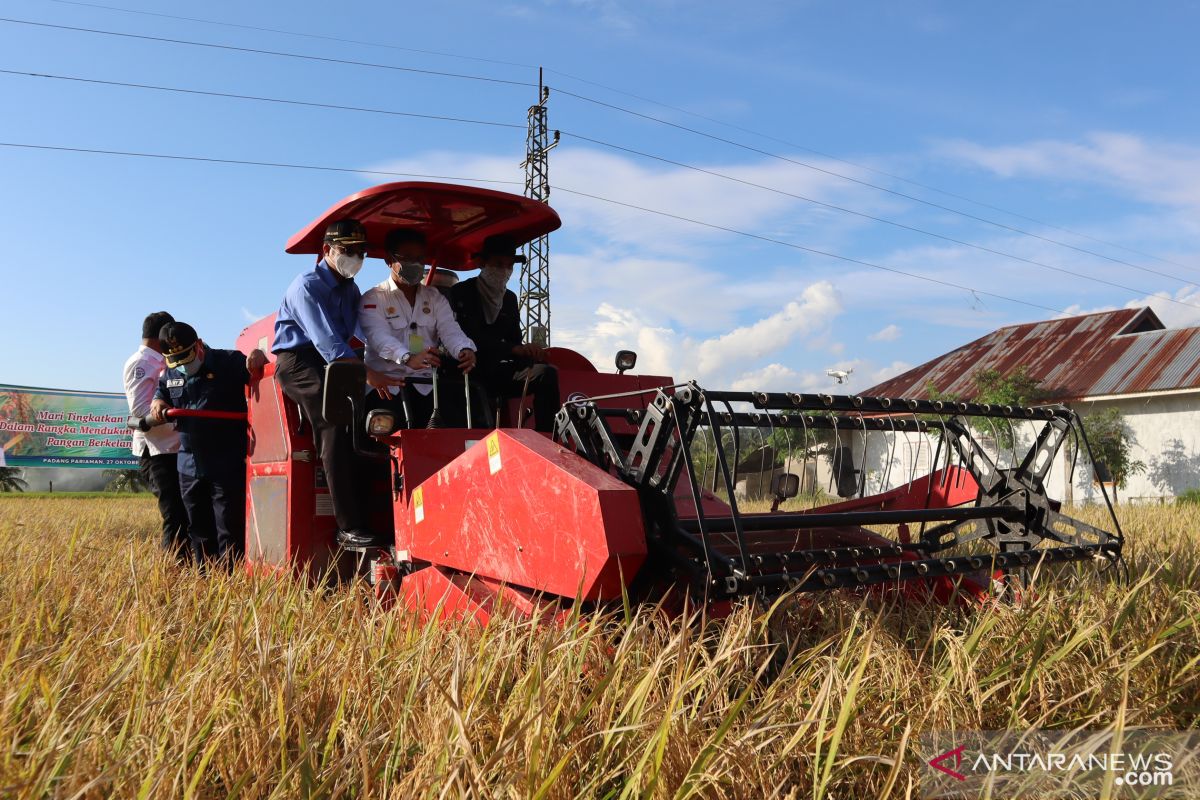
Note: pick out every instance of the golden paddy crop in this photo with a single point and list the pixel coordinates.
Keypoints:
(125, 676)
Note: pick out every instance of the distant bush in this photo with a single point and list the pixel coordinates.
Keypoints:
(1189, 497)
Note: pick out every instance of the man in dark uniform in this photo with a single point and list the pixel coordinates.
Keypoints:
(212, 453)
(316, 321)
(488, 314)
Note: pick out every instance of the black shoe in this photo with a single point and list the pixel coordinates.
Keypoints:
(358, 538)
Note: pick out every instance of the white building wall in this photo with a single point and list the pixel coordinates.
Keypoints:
(1166, 429)
(894, 459)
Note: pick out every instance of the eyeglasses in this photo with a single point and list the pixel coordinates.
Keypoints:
(352, 249)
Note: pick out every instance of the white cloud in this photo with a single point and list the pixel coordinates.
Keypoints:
(773, 377)
(716, 360)
(682, 192)
(888, 334)
(877, 376)
(1171, 313)
(1159, 172)
(1167, 305)
(702, 303)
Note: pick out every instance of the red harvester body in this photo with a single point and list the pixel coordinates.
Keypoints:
(623, 499)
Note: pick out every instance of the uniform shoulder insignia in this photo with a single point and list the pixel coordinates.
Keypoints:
(139, 373)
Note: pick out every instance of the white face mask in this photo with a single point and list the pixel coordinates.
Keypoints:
(344, 264)
(495, 278)
(410, 272)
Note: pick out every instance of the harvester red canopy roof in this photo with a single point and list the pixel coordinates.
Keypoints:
(454, 219)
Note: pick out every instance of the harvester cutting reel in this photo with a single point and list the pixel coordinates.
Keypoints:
(980, 510)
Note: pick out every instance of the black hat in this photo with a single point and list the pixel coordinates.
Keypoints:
(399, 236)
(346, 231)
(178, 343)
(500, 245)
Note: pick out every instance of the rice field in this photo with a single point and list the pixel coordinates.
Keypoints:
(122, 675)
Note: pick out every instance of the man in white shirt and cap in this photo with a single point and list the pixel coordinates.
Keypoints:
(157, 449)
(406, 325)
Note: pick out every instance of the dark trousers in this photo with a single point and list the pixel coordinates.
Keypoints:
(301, 374)
(216, 509)
(413, 409)
(501, 384)
(160, 473)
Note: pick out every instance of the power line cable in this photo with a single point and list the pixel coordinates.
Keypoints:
(284, 32)
(713, 226)
(601, 103)
(873, 218)
(240, 162)
(642, 98)
(860, 182)
(857, 165)
(258, 51)
(259, 98)
(812, 250)
(602, 143)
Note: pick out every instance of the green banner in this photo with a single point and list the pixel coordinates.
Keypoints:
(62, 428)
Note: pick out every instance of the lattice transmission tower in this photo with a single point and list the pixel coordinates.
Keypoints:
(535, 274)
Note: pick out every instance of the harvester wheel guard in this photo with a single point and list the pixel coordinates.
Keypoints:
(1004, 525)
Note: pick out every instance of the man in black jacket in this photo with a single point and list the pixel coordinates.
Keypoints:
(488, 314)
(212, 453)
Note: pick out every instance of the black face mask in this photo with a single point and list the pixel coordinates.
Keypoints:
(408, 271)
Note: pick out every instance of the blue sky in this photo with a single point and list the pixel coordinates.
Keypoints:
(1077, 115)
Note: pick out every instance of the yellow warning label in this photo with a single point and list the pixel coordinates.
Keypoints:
(418, 499)
(493, 448)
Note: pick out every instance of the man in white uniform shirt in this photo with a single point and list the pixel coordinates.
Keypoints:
(158, 448)
(405, 322)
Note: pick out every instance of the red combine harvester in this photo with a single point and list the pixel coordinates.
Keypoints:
(637, 492)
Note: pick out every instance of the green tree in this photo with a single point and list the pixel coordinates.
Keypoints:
(125, 480)
(11, 480)
(1112, 444)
(1017, 388)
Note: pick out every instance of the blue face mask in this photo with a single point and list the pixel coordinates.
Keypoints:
(190, 368)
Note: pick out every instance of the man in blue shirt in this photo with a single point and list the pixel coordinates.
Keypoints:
(316, 321)
(212, 453)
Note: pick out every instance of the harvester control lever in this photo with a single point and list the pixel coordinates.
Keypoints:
(146, 423)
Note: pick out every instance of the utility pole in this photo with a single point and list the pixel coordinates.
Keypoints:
(535, 273)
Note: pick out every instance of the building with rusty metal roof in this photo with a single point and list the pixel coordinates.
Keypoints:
(1126, 359)
(1108, 353)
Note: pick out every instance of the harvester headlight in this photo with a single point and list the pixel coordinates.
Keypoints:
(785, 485)
(380, 422)
(626, 359)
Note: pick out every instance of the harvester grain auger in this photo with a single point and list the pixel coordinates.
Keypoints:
(639, 494)
(976, 519)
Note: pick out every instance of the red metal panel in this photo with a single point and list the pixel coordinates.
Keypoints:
(448, 595)
(305, 545)
(454, 219)
(521, 509)
(420, 453)
(259, 335)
